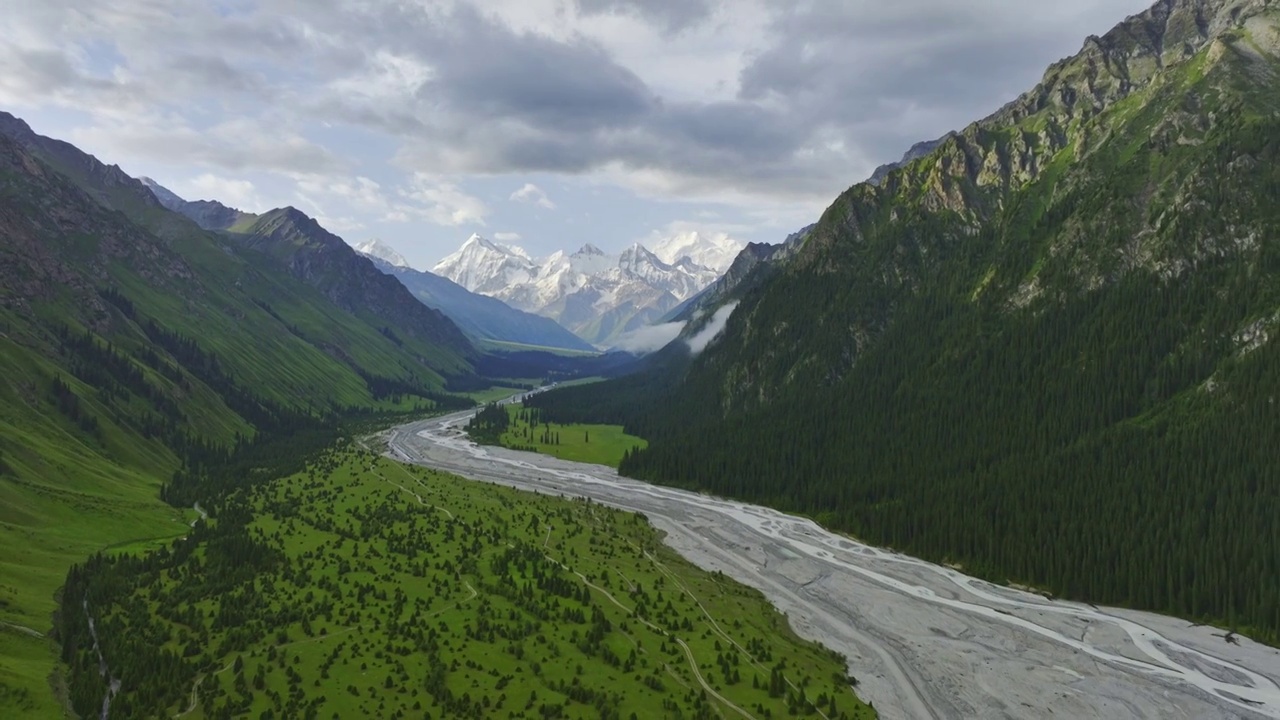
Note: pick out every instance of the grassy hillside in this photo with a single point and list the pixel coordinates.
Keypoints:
(134, 345)
(361, 587)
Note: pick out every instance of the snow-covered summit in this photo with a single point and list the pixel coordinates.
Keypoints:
(487, 267)
(710, 251)
(384, 252)
(596, 294)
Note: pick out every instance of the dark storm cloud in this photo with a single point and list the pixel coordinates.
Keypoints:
(483, 68)
(827, 90)
(671, 15)
(886, 75)
(832, 89)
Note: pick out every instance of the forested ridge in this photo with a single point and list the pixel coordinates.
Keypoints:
(1043, 352)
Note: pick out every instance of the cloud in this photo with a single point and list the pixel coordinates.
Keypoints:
(423, 198)
(712, 329)
(650, 338)
(531, 193)
(443, 202)
(506, 236)
(670, 15)
(237, 193)
(236, 145)
(755, 104)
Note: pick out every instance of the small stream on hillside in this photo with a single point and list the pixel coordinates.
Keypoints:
(114, 684)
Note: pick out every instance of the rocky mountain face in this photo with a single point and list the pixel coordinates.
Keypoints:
(915, 152)
(597, 296)
(1055, 330)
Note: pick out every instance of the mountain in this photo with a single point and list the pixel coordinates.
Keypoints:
(324, 261)
(1045, 351)
(299, 245)
(716, 252)
(139, 351)
(486, 267)
(750, 268)
(376, 249)
(208, 214)
(915, 152)
(480, 316)
(596, 295)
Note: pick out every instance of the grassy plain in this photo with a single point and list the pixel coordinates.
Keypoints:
(599, 444)
(502, 390)
(395, 591)
(506, 346)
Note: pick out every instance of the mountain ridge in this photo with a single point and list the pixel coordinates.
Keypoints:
(1042, 351)
(599, 297)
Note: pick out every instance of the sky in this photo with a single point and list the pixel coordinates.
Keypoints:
(544, 123)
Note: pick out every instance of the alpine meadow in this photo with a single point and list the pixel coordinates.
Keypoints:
(284, 434)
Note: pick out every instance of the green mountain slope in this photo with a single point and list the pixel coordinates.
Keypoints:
(134, 343)
(419, 347)
(350, 281)
(1044, 351)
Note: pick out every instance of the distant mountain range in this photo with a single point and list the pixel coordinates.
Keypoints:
(600, 297)
(575, 302)
(480, 316)
(325, 260)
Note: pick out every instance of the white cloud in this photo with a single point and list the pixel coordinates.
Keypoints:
(765, 108)
(712, 330)
(506, 236)
(443, 202)
(240, 194)
(238, 145)
(649, 339)
(531, 193)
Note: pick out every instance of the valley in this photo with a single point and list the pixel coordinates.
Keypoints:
(992, 436)
(923, 640)
(363, 587)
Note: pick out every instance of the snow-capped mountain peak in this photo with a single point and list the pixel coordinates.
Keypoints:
(709, 251)
(378, 249)
(595, 294)
(486, 267)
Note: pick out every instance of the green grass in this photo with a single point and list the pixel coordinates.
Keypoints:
(505, 345)
(517, 604)
(65, 497)
(579, 381)
(501, 391)
(597, 444)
